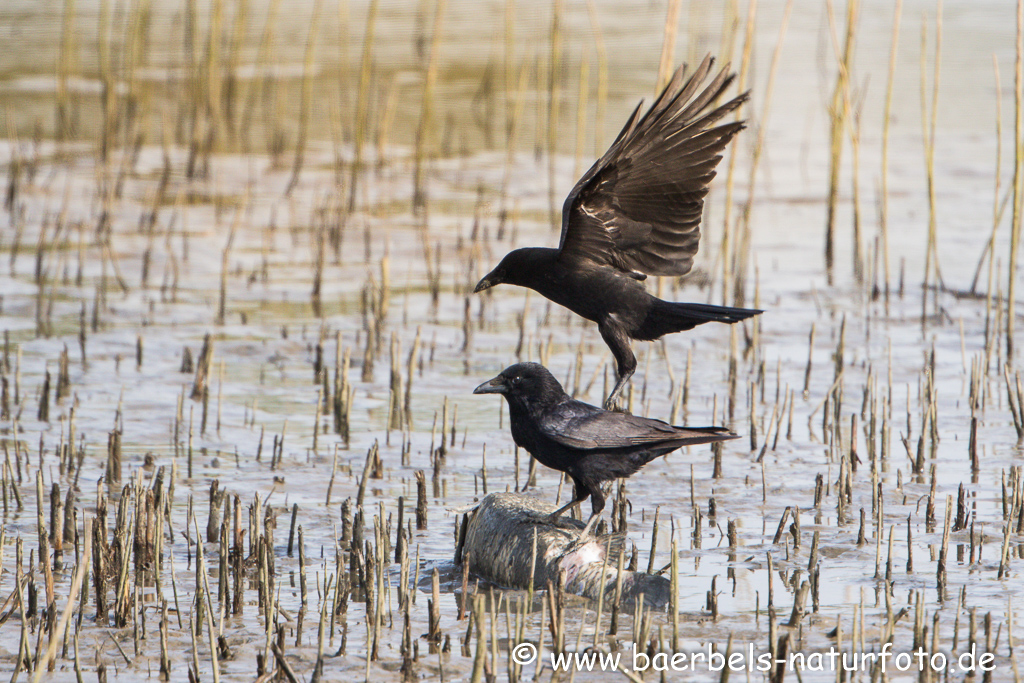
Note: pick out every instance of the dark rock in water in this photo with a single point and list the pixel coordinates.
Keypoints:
(499, 546)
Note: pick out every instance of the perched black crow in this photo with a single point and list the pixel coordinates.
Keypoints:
(637, 212)
(589, 444)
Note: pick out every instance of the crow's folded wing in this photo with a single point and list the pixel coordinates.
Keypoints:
(578, 425)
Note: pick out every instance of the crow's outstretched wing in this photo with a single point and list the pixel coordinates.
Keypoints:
(639, 207)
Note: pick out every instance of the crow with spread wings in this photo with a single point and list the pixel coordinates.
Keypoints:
(635, 213)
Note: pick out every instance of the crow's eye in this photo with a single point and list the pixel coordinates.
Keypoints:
(517, 379)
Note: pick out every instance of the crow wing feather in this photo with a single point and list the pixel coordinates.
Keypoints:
(639, 206)
(574, 424)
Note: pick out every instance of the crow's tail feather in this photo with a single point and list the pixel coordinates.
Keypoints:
(666, 317)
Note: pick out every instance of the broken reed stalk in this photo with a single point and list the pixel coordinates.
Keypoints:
(396, 417)
(411, 365)
(76, 586)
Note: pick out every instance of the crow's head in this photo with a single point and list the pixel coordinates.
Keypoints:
(516, 268)
(528, 382)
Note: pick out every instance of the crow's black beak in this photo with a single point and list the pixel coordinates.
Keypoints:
(482, 285)
(492, 386)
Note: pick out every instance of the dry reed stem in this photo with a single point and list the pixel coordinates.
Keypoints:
(363, 93)
(668, 45)
(305, 99)
(427, 108)
(929, 114)
(838, 114)
(262, 63)
(554, 105)
(883, 203)
(743, 246)
(997, 205)
(581, 114)
(727, 248)
(1018, 180)
(602, 78)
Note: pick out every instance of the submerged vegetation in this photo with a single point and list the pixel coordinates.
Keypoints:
(238, 244)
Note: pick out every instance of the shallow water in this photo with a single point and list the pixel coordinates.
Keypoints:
(262, 374)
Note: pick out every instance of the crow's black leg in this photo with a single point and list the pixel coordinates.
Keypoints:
(579, 494)
(625, 362)
(553, 517)
(589, 526)
(597, 501)
(597, 504)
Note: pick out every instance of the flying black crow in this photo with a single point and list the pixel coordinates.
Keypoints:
(589, 444)
(635, 213)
